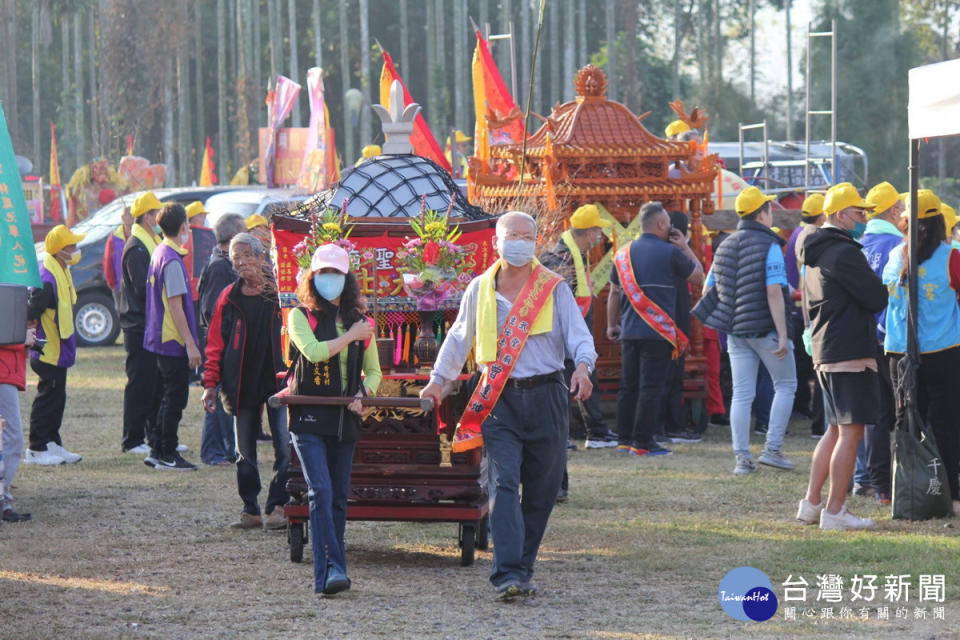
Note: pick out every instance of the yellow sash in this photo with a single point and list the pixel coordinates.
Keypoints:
(582, 293)
(66, 296)
(531, 302)
(146, 237)
(486, 338)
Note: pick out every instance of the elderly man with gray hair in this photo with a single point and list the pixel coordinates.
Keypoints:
(243, 358)
(521, 319)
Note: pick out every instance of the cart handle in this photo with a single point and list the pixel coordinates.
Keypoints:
(424, 404)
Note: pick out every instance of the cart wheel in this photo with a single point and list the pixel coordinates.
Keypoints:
(468, 538)
(295, 538)
(483, 539)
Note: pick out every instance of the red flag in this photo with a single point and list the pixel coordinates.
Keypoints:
(207, 176)
(129, 145)
(424, 144)
(496, 110)
(56, 193)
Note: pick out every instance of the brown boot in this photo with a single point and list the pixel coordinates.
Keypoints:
(248, 521)
(276, 519)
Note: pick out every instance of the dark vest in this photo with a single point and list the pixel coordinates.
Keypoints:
(740, 275)
(323, 379)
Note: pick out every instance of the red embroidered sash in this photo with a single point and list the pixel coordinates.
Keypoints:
(646, 308)
(510, 342)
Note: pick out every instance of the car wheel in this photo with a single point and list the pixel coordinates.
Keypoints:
(95, 320)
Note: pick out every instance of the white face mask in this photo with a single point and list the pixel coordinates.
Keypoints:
(184, 238)
(518, 253)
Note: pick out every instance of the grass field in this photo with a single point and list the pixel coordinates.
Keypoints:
(117, 550)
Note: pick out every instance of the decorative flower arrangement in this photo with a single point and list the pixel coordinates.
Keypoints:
(328, 228)
(431, 263)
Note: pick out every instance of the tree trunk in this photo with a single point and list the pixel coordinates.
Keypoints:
(257, 88)
(348, 148)
(272, 29)
(365, 133)
(185, 161)
(222, 152)
(35, 80)
(583, 51)
(12, 112)
(537, 71)
(633, 85)
(752, 8)
(718, 47)
(199, 115)
(484, 16)
(502, 48)
(97, 144)
(675, 59)
(242, 135)
(317, 36)
(569, 51)
(404, 39)
(294, 62)
(523, 55)
(789, 76)
(78, 94)
(461, 68)
(441, 92)
(556, 53)
(168, 123)
(611, 50)
(432, 108)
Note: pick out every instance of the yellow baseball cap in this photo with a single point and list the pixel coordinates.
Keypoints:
(194, 209)
(882, 196)
(256, 220)
(676, 127)
(949, 218)
(586, 217)
(812, 205)
(928, 204)
(59, 237)
(145, 203)
(751, 199)
(843, 195)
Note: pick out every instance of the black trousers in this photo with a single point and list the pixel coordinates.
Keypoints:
(673, 417)
(877, 436)
(175, 377)
(595, 425)
(46, 417)
(935, 397)
(247, 428)
(643, 363)
(141, 396)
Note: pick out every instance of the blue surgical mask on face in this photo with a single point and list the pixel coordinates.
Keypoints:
(329, 285)
(858, 229)
(517, 253)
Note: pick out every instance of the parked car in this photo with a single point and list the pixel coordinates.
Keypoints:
(96, 320)
(246, 202)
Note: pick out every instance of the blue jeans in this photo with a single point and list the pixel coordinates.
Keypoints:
(746, 354)
(764, 398)
(526, 436)
(217, 443)
(326, 464)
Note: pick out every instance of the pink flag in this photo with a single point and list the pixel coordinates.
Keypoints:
(314, 174)
(283, 98)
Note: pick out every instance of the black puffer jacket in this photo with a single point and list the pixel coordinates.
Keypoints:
(841, 294)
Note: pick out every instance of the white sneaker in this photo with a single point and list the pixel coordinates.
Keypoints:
(843, 521)
(809, 513)
(182, 447)
(139, 450)
(744, 466)
(46, 458)
(69, 458)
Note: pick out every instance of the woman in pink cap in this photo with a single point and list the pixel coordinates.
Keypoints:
(330, 344)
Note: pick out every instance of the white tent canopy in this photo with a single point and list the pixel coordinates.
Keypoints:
(934, 107)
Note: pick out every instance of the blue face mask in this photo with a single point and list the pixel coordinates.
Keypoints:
(329, 285)
(858, 229)
(517, 253)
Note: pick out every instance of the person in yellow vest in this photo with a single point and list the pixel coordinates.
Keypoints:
(461, 167)
(369, 151)
(521, 319)
(675, 128)
(259, 228)
(52, 305)
(569, 259)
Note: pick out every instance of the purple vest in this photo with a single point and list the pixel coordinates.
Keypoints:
(62, 353)
(156, 313)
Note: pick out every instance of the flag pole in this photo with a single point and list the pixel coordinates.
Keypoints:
(526, 114)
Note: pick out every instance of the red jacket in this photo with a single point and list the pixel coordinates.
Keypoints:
(13, 366)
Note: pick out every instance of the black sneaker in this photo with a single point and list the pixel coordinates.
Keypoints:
(175, 463)
(152, 459)
(719, 420)
(657, 450)
(571, 445)
(684, 436)
(760, 429)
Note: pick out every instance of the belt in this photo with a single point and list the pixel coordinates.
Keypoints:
(534, 381)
